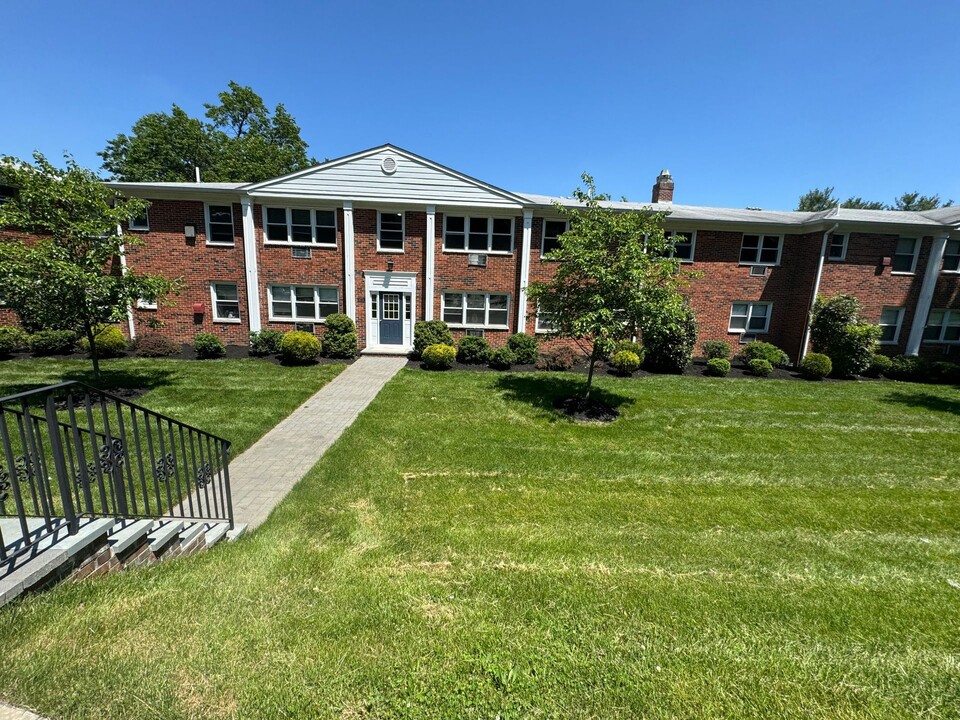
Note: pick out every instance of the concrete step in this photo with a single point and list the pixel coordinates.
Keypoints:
(190, 532)
(216, 532)
(163, 532)
(238, 530)
(127, 533)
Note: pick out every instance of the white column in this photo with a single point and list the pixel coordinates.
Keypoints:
(524, 271)
(816, 289)
(926, 294)
(250, 263)
(349, 262)
(431, 242)
(123, 268)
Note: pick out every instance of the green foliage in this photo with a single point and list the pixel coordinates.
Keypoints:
(717, 367)
(502, 358)
(904, 367)
(759, 367)
(430, 332)
(439, 356)
(108, 341)
(559, 358)
(630, 346)
(525, 347)
(53, 342)
(625, 362)
(299, 348)
(265, 342)
(914, 201)
(208, 346)
(13, 340)
(154, 345)
(817, 199)
(473, 350)
(879, 365)
(340, 337)
(943, 371)
(837, 330)
(713, 349)
(858, 203)
(669, 337)
(815, 366)
(764, 351)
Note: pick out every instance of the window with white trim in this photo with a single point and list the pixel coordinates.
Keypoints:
(141, 222)
(905, 256)
(390, 231)
(890, 320)
(226, 302)
(951, 256)
(220, 224)
(300, 226)
(750, 317)
(683, 244)
(545, 322)
(476, 309)
(302, 303)
(478, 234)
(837, 250)
(760, 249)
(943, 326)
(146, 304)
(552, 230)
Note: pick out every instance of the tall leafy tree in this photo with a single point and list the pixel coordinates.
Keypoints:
(817, 199)
(823, 199)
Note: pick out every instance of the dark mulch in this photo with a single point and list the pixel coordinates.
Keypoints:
(586, 409)
(233, 352)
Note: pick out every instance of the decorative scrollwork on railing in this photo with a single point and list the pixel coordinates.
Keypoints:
(109, 458)
(165, 468)
(23, 467)
(204, 475)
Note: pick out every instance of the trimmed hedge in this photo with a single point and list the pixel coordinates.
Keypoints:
(12, 340)
(340, 337)
(815, 366)
(53, 342)
(502, 358)
(154, 345)
(669, 343)
(473, 350)
(439, 356)
(903, 367)
(759, 367)
(764, 351)
(430, 332)
(299, 347)
(561, 358)
(525, 347)
(716, 349)
(109, 341)
(208, 346)
(265, 342)
(630, 346)
(717, 367)
(625, 362)
(879, 365)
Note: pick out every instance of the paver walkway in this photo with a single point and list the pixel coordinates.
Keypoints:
(10, 712)
(266, 472)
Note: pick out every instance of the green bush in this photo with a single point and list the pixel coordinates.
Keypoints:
(525, 347)
(299, 348)
(155, 345)
(630, 346)
(837, 330)
(903, 367)
(759, 367)
(764, 351)
(12, 340)
(430, 332)
(561, 358)
(943, 371)
(208, 346)
(265, 342)
(717, 367)
(502, 358)
(473, 350)
(625, 362)
(340, 337)
(669, 343)
(716, 349)
(53, 342)
(109, 341)
(439, 356)
(879, 365)
(815, 366)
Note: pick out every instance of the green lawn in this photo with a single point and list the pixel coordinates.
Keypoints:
(728, 548)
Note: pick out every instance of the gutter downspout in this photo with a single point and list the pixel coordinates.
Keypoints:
(816, 290)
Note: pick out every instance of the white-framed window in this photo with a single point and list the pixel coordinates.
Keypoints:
(545, 322)
(226, 302)
(299, 226)
(477, 234)
(761, 249)
(905, 256)
(303, 303)
(943, 326)
(146, 304)
(141, 222)
(890, 321)
(219, 224)
(750, 317)
(467, 309)
(390, 231)
(552, 230)
(684, 243)
(951, 257)
(837, 249)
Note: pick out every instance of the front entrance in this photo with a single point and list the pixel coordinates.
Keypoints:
(391, 309)
(391, 318)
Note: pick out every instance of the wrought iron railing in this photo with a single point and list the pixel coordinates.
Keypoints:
(71, 451)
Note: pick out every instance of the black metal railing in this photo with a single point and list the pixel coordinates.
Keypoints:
(71, 451)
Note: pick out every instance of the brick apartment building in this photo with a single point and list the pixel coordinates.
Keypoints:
(389, 237)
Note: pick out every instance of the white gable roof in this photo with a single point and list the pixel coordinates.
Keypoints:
(369, 176)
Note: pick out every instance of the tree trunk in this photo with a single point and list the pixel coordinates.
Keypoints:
(593, 361)
(93, 350)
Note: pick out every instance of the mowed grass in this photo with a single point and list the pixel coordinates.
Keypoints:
(727, 548)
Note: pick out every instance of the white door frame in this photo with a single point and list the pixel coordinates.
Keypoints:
(405, 283)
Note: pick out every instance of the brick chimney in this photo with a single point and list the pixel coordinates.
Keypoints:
(663, 188)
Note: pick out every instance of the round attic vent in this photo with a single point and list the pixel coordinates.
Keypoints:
(389, 165)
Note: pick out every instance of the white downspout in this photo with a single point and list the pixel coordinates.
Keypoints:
(816, 290)
(123, 268)
(926, 294)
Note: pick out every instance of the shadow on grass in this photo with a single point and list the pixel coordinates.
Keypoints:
(541, 391)
(928, 401)
(120, 382)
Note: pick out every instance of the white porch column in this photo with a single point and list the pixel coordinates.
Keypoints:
(250, 263)
(524, 271)
(431, 242)
(349, 262)
(930, 276)
(131, 327)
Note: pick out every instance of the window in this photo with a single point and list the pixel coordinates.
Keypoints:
(477, 309)
(545, 322)
(890, 319)
(311, 303)
(683, 243)
(760, 250)
(750, 317)
(142, 222)
(219, 224)
(552, 230)
(300, 225)
(226, 302)
(146, 304)
(478, 234)
(905, 257)
(951, 256)
(943, 326)
(390, 231)
(837, 250)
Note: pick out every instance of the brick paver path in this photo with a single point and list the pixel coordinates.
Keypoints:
(265, 473)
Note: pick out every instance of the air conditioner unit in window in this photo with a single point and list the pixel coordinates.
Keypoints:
(302, 253)
(758, 270)
(477, 260)
(747, 338)
(304, 327)
(473, 332)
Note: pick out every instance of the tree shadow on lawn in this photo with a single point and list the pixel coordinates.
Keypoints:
(928, 401)
(542, 392)
(125, 383)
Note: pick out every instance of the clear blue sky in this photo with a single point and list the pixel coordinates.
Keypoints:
(747, 103)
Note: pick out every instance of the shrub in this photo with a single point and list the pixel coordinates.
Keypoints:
(208, 346)
(879, 365)
(502, 358)
(759, 367)
(12, 339)
(430, 332)
(439, 356)
(837, 330)
(630, 346)
(473, 350)
(815, 366)
(561, 358)
(903, 367)
(625, 362)
(155, 345)
(716, 349)
(764, 351)
(340, 337)
(53, 342)
(943, 371)
(717, 367)
(109, 341)
(299, 348)
(669, 343)
(265, 342)
(525, 347)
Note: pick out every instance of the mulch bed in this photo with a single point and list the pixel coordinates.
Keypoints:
(233, 352)
(588, 410)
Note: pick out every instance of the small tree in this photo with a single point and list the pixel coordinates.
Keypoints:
(65, 272)
(838, 331)
(615, 275)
